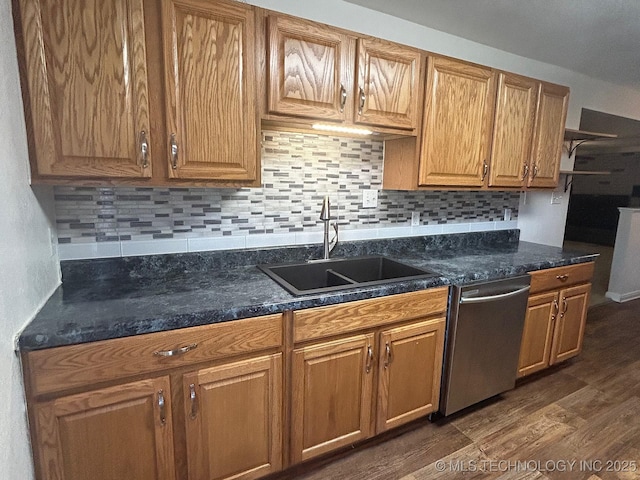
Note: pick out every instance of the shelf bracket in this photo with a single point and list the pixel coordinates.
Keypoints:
(567, 182)
(574, 144)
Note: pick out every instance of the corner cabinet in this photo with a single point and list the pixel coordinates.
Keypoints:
(456, 133)
(323, 73)
(87, 105)
(209, 54)
(556, 316)
(374, 377)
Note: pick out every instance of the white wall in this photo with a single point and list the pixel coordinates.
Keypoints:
(542, 222)
(624, 284)
(28, 268)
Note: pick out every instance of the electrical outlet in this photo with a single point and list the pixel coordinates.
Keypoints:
(507, 214)
(556, 198)
(370, 198)
(415, 219)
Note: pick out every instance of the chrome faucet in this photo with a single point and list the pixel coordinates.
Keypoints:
(325, 216)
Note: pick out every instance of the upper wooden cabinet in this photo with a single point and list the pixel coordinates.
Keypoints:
(318, 72)
(309, 69)
(456, 133)
(95, 103)
(87, 104)
(210, 89)
(516, 104)
(553, 102)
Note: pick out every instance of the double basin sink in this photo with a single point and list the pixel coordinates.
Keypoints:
(320, 276)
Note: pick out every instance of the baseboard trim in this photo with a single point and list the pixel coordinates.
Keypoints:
(623, 297)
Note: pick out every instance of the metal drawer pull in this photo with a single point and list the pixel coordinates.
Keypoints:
(163, 417)
(387, 359)
(194, 401)
(177, 351)
(362, 100)
(144, 149)
(343, 98)
(556, 309)
(369, 358)
(485, 170)
(565, 305)
(526, 171)
(562, 278)
(491, 298)
(535, 171)
(174, 151)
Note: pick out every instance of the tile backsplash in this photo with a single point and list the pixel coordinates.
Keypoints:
(297, 171)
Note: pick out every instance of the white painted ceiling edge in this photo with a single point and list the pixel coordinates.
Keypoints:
(599, 39)
(586, 91)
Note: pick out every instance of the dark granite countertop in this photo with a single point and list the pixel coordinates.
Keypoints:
(112, 298)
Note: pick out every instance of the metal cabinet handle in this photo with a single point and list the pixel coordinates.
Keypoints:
(343, 97)
(161, 405)
(369, 358)
(144, 149)
(362, 99)
(194, 401)
(177, 351)
(562, 278)
(174, 151)
(526, 171)
(387, 359)
(535, 171)
(565, 305)
(556, 309)
(485, 170)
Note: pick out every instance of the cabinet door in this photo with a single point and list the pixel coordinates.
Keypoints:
(332, 395)
(457, 123)
(537, 335)
(117, 432)
(553, 101)
(388, 87)
(569, 330)
(233, 416)
(210, 89)
(88, 93)
(311, 70)
(513, 130)
(410, 368)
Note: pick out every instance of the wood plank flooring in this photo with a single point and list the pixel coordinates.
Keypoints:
(586, 411)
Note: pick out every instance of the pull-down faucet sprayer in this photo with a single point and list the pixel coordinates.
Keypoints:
(325, 216)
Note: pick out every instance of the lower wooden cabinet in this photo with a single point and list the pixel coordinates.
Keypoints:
(338, 384)
(331, 398)
(410, 368)
(116, 432)
(555, 320)
(233, 419)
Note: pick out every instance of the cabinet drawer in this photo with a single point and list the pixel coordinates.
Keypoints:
(63, 368)
(353, 316)
(560, 277)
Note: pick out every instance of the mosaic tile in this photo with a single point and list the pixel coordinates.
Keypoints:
(298, 170)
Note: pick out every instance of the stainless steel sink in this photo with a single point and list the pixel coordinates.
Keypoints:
(318, 276)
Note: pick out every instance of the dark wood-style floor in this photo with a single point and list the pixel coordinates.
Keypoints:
(584, 411)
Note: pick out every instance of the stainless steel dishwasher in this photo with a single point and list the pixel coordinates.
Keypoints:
(483, 341)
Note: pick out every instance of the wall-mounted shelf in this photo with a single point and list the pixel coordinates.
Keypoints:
(578, 137)
(571, 173)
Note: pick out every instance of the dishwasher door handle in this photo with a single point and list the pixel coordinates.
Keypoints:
(492, 298)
